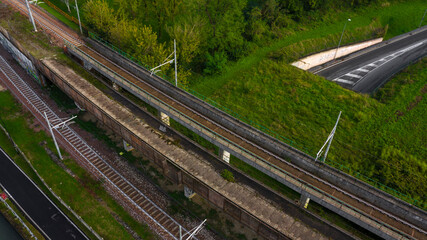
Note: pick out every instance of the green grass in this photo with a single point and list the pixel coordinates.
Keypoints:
(84, 195)
(266, 91)
(37, 43)
(17, 225)
(303, 108)
(401, 17)
(61, 5)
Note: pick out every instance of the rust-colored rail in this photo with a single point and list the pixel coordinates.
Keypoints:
(361, 208)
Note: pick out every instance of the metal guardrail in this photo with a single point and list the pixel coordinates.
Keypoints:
(264, 129)
(41, 178)
(13, 212)
(47, 186)
(93, 166)
(258, 160)
(71, 18)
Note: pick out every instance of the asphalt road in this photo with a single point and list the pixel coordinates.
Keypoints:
(50, 220)
(368, 72)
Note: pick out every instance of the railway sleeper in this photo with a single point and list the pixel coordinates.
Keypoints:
(143, 202)
(150, 209)
(162, 219)
(109, 173)
(121, 183)
(129, 192)
(115, 178)
(103, 168)
(126, 188)
(174, 228)
(134, 195)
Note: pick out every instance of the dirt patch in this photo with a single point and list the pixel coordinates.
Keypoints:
(411, 105)
(35, 125)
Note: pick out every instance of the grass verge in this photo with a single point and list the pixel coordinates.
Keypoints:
(17, 225)
(83, 194)
(301, 106)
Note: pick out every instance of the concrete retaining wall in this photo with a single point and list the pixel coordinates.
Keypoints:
(326, 56)
(363, 190)
(170, 170)
(21, 55)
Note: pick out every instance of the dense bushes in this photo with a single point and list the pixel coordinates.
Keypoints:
(372, 137)
(207, 32)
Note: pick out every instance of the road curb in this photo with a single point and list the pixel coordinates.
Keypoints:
(366, 50)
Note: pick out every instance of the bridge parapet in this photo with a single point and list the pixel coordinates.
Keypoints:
(252, 134)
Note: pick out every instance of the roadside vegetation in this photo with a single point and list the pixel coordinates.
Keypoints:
(81, 192)
(15, 222)
(237, 54)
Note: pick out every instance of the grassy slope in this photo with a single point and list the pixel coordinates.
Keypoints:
(303, 107)
(401, 17)
(84, 195)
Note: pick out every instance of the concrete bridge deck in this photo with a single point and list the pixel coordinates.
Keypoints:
(378, 212)
(222, 129)
(222, 193)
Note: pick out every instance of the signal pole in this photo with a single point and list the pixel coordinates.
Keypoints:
(328, 141)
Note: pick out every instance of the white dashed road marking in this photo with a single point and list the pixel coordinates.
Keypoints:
(355, 76)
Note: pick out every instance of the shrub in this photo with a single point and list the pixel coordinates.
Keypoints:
(215, 63)
(227, 175)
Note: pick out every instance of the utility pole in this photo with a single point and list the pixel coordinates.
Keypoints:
(328, 141)
(167, 61)
(55, 127)
(31, 15)
(422, 20)
(78, 16)
(192, 232)
(342, 34)
(176, 72)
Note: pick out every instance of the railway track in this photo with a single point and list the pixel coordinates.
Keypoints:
(164, 224)
(380, 216)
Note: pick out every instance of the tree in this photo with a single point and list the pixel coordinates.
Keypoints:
(99, 15)
(188, 37)
(225, 25)
(256, 26)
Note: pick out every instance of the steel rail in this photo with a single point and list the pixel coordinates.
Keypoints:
(261, 159)
(28, 91)
(265, 151)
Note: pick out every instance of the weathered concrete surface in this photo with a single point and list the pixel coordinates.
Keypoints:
(326, 56)
(245, 198)
(348, 183)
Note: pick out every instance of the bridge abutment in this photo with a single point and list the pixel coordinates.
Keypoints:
(87, 65)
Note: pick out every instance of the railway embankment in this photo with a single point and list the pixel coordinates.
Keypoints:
(240, 201)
